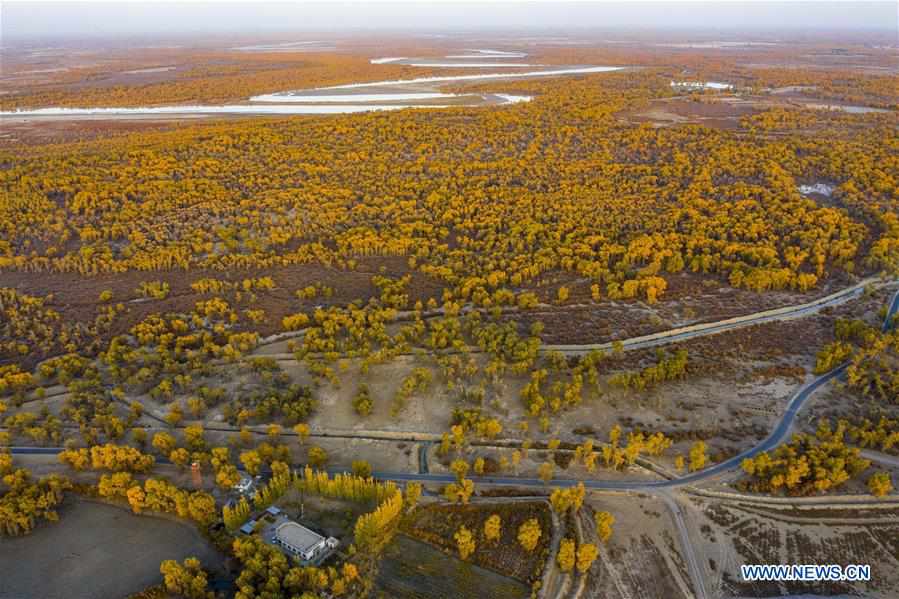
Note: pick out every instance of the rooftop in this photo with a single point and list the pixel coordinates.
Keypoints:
(248, 527)
(298, 536)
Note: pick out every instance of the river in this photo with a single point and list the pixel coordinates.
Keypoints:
(395, 94)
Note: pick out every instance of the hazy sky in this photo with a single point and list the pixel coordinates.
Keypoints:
(82, 19)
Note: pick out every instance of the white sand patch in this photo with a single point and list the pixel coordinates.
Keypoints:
(510, 99)
(822, 188)
(701, 85)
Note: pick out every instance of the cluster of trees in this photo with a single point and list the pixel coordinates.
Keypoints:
(266, 572)
(117, 458)
(355, 329)
(187, 579)
(295, 322)
(573, 555)
(26, 501)
(880, 484)
(89, 404)
(698, 456)
(499, 209)
(873, 357)
(570, 499)
(666, 368)
(213, 77)
(345, 486)
(276, 487)
(807, 464)
(63, 369)
(570, 554)
(234, 516)
(874, 369)
(543, 396)
(211, 285)
(226, 473)
(40, 428)
(310, 292)
(30, 328)
(417, 381)
(650, 286)
(279, 399)
(170, 356)
(374, 531)
(618, 456)
(513, 537)
(362, 401)
(165, 354)
(264, 453)
(14, 382)
(848, 333)
(153, 289)
(474, 422)
(158, 495)
(846, 86)
(882, 434)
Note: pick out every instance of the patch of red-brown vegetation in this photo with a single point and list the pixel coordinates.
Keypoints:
(689, 299)
(76, 297)
(436, 525)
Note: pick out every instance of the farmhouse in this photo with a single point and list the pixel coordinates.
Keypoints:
(306, 544)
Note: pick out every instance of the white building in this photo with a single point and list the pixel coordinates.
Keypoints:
(306, 544)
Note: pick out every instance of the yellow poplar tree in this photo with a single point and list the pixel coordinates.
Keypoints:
(465, 542)
(586, 555)
(492, 527)
(566, 556)
(604, 521)
(529, 534)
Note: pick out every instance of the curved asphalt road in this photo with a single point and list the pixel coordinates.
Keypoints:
(773, 440)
